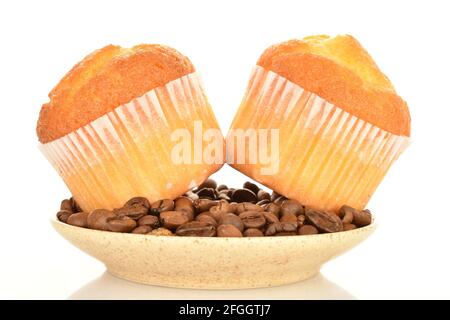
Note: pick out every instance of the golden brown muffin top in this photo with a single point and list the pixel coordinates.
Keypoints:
(341, 71)
(104, 80)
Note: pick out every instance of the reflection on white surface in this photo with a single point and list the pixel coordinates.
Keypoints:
(109, 287)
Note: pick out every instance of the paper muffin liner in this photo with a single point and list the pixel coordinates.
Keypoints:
(128, 151)
(327, 157)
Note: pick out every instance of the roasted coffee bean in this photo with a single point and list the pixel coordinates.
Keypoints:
(192, 195)
(63, 215)
(275, 195)
(307, 230)
(362, 218)
(274, 208)
(206, 193)
(185, 204)
(206, 218)
(173, 219)
(208, 183)
(98, 219)
(134, 211)
(252, 232)
(161, 232)
(285, 233)
(161, 205)
(150, 221)
(223, 196)
(222, 187)
(202, 205)
(263, 202)
(251, 186)
(301, 220)
(233, 207)
(230, 218)
(346, 214)
(66, 205)
(220, 208)
(228, 230)
(291, 206)
(277, 227)
(253, 219)
(324, 221)
(78, 219)
(263, 195)
(280, 200)
(142, 230)
(122, 224)
(196, 229)
(243, 195)
(75, 206)
(270, 217)
(348, 227)
(137, 201)
(289, 217)
(230, 192)
(247, 206)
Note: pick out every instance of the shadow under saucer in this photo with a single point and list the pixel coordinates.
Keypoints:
(109, 287)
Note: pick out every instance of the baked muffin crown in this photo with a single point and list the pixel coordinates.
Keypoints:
(104, 80)
(341, 71)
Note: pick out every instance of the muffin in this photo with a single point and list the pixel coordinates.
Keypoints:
(339, 124)
(108, 128)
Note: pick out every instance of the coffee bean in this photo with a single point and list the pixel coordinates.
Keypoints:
(280, 200)
(75, 206)
(362, 218)
(220, 208)
(275, 195)
(192, 195)
(233, 207)
(63, 215)
(78, 219)
(324, 221)
(122, 224)
(252, 219)
(137, 201)
(274, 208)
(222, 187)
(263, 195)
(243, 195)
(206, 193)
(291, 206)
(202, 205)
(286, 233)
(251, 186)
(289, 217)
(66, 205)
(196, 229)
(307, 230)
(173, 219)
(161, 205)
(230, 192)
(252, 232)
(98, 219)
(346, 214)
(150, 221)
(133, 211)
(223, 196)
(247, 206)
(185, 204)
(208, 183)
(263, 202)
(206, 218)
(270, 217)
(142, 230)
(161, 232)
(301, 220)
(228, 230)
(230, 218)
(277, 227)
(348, 227)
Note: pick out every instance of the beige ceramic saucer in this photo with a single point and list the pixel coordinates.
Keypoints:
(212, 263)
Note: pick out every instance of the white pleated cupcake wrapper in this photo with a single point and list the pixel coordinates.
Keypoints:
(95, 160)
(272, 100)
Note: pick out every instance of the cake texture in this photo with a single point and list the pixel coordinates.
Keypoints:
(340, 123)
(108, 126)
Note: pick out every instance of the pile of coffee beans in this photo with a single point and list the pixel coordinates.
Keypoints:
(211, 210)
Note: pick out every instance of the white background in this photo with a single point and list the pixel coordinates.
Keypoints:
(407, 257)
